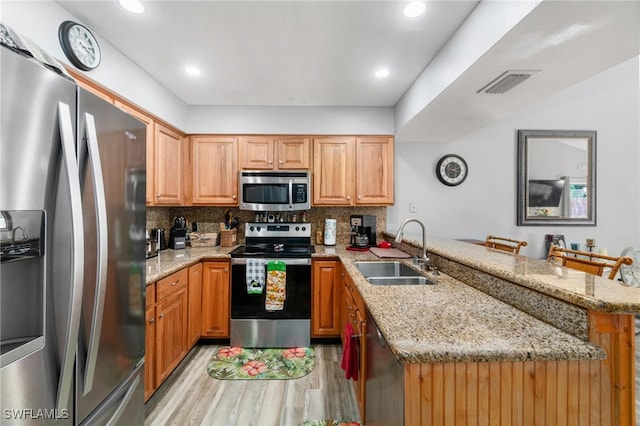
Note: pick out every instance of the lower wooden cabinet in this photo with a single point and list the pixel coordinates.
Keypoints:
(194, 321)
(215, 299)
(353, 310)
(166, 338)
(325, 298)
(171, 326)
(150, 343)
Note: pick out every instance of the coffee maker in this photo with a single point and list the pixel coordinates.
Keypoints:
(363, 230)
(178, 234)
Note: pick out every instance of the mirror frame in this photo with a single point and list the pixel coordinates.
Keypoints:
(527, 136)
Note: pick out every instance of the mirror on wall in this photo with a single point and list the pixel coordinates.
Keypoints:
(556, 177)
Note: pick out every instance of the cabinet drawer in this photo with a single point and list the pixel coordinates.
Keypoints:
(150, 295)
(172, 283)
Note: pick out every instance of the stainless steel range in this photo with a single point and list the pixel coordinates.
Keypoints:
(271, 286)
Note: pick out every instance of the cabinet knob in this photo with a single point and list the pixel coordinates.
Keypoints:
(226, 270)
(152, 320)
(175, 283)
(280, 161)
(270, 161)
(359, 197)
(162, 315)
(234, 197)
(348, 197)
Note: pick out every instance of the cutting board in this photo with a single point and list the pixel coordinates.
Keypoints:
(389, 252)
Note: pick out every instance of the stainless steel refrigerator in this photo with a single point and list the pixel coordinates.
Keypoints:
(72, 257)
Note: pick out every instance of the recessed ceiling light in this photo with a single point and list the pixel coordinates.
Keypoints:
(382, 73)
(132, 5)
(415, 8)
(191, 70)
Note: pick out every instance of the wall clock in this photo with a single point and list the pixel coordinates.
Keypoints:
(79, 45)
(452, 170)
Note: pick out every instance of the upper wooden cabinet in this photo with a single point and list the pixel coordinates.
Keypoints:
(274, 153)
(350, 171)
(214, 170)
(374, 170)
(333, 170)
(150, 146)
(170, 158)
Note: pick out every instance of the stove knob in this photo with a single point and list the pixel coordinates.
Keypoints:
(297, 228)
(259, 228)
(304, 228)
(251, 228)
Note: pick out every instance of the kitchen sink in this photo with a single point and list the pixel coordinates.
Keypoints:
(386, 269)
(399, 280)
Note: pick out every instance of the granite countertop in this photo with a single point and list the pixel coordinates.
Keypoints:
(582, 289)
(446, 322)
(169, 261)
(453, 322)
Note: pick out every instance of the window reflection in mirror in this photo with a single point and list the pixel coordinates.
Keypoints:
(556, 177)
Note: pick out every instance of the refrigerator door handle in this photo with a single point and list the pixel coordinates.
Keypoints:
(102, 255)
(123, 404)
(65, 381)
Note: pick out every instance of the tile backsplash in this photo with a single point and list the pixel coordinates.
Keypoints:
(208, 218)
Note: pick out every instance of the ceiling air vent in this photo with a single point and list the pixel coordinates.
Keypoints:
(507, 81)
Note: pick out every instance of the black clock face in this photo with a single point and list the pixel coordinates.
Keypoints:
(79, 45)
(451, 170)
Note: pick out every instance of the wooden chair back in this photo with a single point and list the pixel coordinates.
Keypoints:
(591, 263)
(504, 244)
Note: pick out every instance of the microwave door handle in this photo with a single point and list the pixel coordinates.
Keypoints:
(291, 193)
(65, 380)
(102, 254)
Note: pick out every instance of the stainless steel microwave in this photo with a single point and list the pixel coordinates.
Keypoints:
(275, 190)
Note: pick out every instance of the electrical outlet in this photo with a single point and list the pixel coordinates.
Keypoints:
(412, 207)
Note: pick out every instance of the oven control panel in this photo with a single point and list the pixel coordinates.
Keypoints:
(282, 229)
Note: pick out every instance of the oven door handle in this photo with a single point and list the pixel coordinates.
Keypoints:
(287, 261)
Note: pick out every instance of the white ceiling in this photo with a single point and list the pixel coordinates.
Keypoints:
(324, 53)
(321, 53)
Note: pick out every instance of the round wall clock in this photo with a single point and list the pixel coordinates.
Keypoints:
(79, 45)
(452, 170)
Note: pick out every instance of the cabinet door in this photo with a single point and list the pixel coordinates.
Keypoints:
(195, 304)
(257, 153)
(150, 146)
(215, 299)
(169, 155)
(333, 165)
(325, 303)
(149, 355)
(171, 333)
(292, 153)
(374, 170)
(215, 170)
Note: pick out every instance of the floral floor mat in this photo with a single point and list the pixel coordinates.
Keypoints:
(231, 363)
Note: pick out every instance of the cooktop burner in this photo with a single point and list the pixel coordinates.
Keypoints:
(276, 240)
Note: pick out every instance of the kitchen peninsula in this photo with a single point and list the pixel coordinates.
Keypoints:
(499, 339)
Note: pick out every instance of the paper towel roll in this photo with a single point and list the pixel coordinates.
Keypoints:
(330, 232)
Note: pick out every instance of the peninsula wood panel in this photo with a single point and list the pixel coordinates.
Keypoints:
(615, 333)
(541, 393)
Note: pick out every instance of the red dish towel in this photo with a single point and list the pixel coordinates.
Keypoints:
(349, 354)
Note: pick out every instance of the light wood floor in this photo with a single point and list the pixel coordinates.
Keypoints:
(191, 397)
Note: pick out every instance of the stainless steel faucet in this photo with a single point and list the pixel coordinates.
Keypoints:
(424, 261)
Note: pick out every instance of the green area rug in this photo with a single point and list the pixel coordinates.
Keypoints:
(330, 423)
(244, 363)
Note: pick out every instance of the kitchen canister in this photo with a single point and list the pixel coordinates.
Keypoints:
(330, 232)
